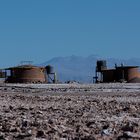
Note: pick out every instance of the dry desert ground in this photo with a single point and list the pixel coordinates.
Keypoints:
(70, 111)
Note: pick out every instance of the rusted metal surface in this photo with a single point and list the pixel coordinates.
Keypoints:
(128, 73)
(26, 74)
(108, 75)
(122, 73)
(133, 75)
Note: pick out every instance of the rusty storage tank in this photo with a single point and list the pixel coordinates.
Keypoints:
(132, 74)
(26, 74)
(128, 73)
(108, 75)
(49, 69)
(101, 65)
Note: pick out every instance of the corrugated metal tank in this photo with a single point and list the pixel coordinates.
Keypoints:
(27, 74)
(128, 73)
(132, 75)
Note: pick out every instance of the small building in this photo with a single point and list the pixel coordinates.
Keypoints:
(121, 73)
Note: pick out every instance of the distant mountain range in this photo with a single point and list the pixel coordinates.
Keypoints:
(82, 69)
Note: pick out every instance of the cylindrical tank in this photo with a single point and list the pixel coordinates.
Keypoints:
(27, 74)
(101, 65)
(127, 73)
(49, 69)
(132, 74)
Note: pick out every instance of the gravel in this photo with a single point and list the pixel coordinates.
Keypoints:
(70, 111)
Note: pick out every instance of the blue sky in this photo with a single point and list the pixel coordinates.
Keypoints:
(38, 30)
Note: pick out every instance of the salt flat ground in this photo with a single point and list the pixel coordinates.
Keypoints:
(70, 111)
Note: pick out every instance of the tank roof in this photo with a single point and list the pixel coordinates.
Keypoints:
(126, 67)
(23, 67)
(109, 70)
